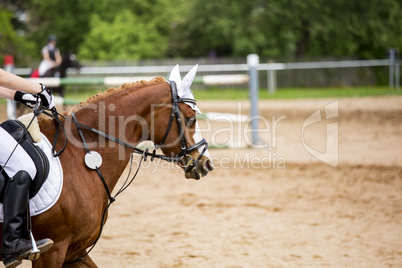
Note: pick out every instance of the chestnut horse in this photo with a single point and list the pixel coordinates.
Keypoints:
(132, 113)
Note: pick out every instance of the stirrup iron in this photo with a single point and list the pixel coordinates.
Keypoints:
(35, 253)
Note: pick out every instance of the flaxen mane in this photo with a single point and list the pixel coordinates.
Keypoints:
(112, 90)
(134, 85)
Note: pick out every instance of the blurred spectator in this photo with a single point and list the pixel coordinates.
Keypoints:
(51, 56)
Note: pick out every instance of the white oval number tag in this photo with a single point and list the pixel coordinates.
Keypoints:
(93, 160)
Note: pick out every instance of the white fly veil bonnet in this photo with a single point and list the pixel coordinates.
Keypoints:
(183, 86)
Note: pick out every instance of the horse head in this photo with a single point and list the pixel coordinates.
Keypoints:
(69, 60)
(196, 160)
(178, 133)
(160, 111)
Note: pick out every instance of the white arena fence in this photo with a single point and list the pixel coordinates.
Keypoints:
(233, 73)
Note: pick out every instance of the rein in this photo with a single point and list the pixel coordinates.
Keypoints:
(174, 114)
(137, 150)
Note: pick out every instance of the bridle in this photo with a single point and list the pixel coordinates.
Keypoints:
(185, 150)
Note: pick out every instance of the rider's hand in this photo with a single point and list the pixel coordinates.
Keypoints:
(47, 97)
(28, 99)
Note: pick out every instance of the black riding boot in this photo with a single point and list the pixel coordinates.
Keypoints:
(16, 196)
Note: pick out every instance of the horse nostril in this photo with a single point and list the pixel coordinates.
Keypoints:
(208, 165)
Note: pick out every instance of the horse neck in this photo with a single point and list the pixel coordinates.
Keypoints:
(63, 68)
(118, 115)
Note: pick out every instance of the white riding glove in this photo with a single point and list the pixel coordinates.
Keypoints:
(27, 99)
(47, 97)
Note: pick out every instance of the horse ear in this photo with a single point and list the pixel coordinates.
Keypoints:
(188, 79)
(175, 75)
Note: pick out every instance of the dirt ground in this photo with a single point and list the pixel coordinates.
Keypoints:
(277, 206)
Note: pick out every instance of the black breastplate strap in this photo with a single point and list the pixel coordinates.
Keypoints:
(111, 199)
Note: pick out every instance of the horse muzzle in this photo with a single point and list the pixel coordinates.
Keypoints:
(196, 169)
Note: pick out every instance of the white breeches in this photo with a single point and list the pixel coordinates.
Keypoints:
(19, 160)
(44, 66)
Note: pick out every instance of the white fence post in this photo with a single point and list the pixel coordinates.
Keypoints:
(271, 78)
(253, 61)
(397, 70)
(11, 105)
(397, 77)
(391, 54)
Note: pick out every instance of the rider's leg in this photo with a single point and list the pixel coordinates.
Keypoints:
(16, 196)
(13, 157)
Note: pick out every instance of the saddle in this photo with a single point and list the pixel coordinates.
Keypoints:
(20, 133)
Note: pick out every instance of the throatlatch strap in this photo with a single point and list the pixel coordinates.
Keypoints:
(80, 132)
(56, 135)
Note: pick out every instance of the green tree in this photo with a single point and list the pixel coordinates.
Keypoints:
(11, 42)
(104, 29)
(288, 28)
(69, 20)
(206, 26)
(77, 22)
(124, 38)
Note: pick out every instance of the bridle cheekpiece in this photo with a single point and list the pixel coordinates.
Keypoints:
(175, 113)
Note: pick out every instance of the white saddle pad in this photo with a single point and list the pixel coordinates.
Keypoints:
(50, 191)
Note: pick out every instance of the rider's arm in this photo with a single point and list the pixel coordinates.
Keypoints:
(14, 82)
(6, 93)
(58, 57)
(9, 82)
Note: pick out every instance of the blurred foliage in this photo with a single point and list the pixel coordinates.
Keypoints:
(134, 29)
(11, 42)
(124, 38)
(283, 28)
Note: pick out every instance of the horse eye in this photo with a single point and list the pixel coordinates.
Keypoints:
(190, 121)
